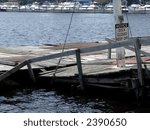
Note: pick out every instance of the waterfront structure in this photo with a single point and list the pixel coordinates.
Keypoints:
(82, 6)
(138, 8)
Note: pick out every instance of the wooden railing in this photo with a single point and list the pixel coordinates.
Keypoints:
(131, 44)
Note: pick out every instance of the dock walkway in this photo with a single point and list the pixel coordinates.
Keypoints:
(84, 64)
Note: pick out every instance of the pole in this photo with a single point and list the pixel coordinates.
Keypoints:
(118, 19)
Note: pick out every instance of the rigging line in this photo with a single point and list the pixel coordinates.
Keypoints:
(65, 41)
(129, 24)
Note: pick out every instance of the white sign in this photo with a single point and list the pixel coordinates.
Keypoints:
(121, 31)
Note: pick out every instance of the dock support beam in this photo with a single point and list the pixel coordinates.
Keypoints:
(31, 72)
(109, 53)
(140, 71)
(79, 66)
(139, 62)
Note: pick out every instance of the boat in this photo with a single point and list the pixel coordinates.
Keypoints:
(136, 8)
(35, 6)
(109, 8)
(83, 7)
(2, 10)
(147, 8)
(93, 7)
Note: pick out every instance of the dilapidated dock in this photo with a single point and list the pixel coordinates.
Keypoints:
(81, 65)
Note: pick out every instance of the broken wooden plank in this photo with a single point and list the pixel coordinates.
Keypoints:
(13, 70)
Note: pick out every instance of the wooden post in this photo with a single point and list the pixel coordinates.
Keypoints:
(109, 53)
(31, 72)
(109, 50)
(79, 66)
(139, 62)
(140, 72)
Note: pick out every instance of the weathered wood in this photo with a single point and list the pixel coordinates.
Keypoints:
(129, 42)
(79, 66)
(142, 52)
(109, 53)
(10, 63)
(13, 70)
(139, 62)
(84, 50)
(147, 73)
(31, 72)
(109, 50)
(144, 40)
(108, 46)
(128, 47)
(51, 56)
(107, 86)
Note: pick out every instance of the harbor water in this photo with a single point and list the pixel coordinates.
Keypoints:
(34, 29)
(51, 28)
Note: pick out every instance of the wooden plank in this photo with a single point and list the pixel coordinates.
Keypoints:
(13, 70)
(142, 52)
(79, 66)
(129, 47)
(31, 72)
(9, 63)
(108, 46)
(144, 40)
(52, 56)
(108, 86)
(85, 50)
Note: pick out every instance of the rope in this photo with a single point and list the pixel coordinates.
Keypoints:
(65, 41)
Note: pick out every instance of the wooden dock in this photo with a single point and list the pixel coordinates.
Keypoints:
(83, 64)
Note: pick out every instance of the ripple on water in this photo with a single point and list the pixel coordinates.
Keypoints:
(49, 101)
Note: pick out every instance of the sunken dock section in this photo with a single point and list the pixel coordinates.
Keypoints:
(82, 65)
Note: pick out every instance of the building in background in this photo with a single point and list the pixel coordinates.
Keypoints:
(83, 1)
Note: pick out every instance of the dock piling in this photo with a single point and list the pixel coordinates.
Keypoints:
(139, 62)
(79, 66)
(140, 71)
(31, 73)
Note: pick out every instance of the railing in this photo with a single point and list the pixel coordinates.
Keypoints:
(131, 44)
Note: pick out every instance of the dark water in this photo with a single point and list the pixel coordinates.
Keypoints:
(41, 28)
(43, 100)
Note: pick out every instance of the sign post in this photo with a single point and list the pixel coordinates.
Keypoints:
(121, 32)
